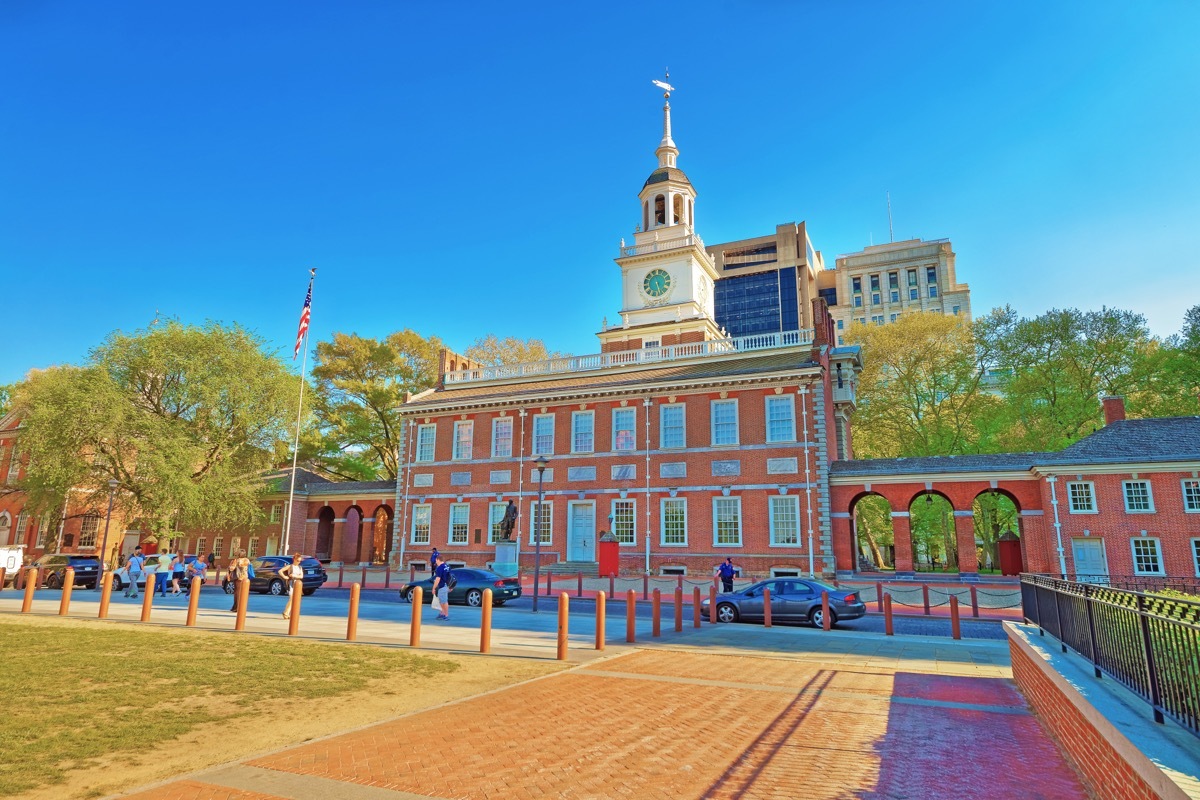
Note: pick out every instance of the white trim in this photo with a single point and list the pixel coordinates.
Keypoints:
(432, 427)
(632, 429)
(712, 422)
(1095, 509)
(547, 530)
(1149, 496)
(496, 423)
(1158, 554)
(1196, 555)
(457, 454)
(1183, 489)
(740, 520)
(612, 509)
(466, 526)
(788, 398)
(417, 509)
(577, 415)
(662, 521)
(662, 412)
(534, 436)
(772, 501)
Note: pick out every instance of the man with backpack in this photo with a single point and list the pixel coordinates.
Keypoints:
(442, 580)
(135, 572)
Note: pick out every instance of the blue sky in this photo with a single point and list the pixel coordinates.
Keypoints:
(463, 169)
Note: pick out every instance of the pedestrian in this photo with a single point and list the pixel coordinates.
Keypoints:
(239, 570)
(434, 558)
(178, 567)
(441, 587)
(135, 571)
(726, 571)
(291, 573)
(196, 569)
(211, 560)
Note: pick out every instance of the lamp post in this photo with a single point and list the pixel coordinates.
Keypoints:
(541, 463)
(112, 490)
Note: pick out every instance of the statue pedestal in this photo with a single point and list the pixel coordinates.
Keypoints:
(507, 556)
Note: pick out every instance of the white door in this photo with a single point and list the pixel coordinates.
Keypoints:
(1090, 561)
(581, 534)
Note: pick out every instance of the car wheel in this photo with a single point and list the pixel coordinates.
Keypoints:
(475, 598)
(275, 587)
(498, 603)
(817, 618)
(307, 592)
(116, 583)
(409, 596)
(227, 587)
(54, 582)
(727, 612)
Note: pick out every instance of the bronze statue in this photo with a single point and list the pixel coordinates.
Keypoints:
(509, 521)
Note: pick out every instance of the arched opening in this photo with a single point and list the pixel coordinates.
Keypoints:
(997, 521)
(645, 215)
(324, 534)
(677, 209)
(381, 538)
(5, 527)
(352, 544)
(931, 519)
(660, 210)
(875, 547)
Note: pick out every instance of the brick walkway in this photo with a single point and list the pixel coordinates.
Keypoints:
(671, 723)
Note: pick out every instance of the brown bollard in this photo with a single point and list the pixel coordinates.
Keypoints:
(955, 629)
(352, 616)
(925, 593)
(364, 575)
(715, 579)
(64, 604)
(341, 573)
(612, 588)
(105, 595)
(243, 599)
(696, 607)
(712, 604)
(193, 602)
(601, 616)
(887, 615)
(563, 604)
(31, 582)
(294, 607)
(412, 574)
(631, 616)
(826, 622)
(19, 579)
(974, 603)
(485, 623)
(656, 613)
(645, 587)
(549, 584)
(678, 609)
(148, 598)
(766, 608)
(679, 582)
(414, 630)
(387, 576)
(3, 575)
(879, 596)
(579, 591)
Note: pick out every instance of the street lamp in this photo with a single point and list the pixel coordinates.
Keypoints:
(541, 463)
(112, 490)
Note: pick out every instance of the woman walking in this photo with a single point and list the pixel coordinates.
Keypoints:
(178, 565)
(239, 570)
(291, 573)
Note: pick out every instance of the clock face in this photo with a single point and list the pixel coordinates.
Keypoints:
(657, 283)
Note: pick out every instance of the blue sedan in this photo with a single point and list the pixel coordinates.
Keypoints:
(792, 600)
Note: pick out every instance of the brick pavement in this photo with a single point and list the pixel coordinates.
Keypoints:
(678, 723)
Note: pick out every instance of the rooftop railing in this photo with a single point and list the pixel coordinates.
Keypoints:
(659, 245)
(622, 358)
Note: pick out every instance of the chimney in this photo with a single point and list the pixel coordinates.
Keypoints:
(1114, 409)
(823, 329)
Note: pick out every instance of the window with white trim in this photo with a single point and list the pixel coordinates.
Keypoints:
(727, 522)
(623, 422)
(543, 435)
(252, 549)
(1191, 496)
(502, 436)
(14, 466)
(87, 530)
(426, 435)
(724, 422)
(1147, 556)
(671, 421)
(1138, 499)
(781, 418)
(464, 433)
(1196, 556)
(460, 519)
(624, 512)
(200, 547)
(541, 516)
(276, 512)
(422, 514)
(495, 517)
(218, 547)
(22, 527)
(1081, 497)
(674, 522)
(785, 520)
(583, 428)
(234, 546)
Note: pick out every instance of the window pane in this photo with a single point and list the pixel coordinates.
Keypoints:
(623, 422)
(582, 440)
(502, 430)
(463, 433)
(781, 422)
(1137, 496)
(728, 513)
(1145, 556)
(785, 520)
(420, 524)
(425, 438)
(623, 516)
(495, 517)
(459, 518)
(543, 435)
(1191, 495)
(541, 516)
(674, 513)
(725, 427)
(1082, 500)
(671, 422)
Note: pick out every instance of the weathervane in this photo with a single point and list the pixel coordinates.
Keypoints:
(666, 87)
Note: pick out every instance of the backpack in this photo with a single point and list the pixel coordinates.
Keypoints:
(451, 580)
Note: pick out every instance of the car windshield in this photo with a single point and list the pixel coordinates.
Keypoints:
(309, 563)
(85, 560)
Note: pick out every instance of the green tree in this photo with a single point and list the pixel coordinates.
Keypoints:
(493, 351)
(5, 399)
(921, 392)
(181, 417)
(360, 384)
(1168, 378)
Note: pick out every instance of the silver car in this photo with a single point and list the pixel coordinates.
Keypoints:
(792, 600)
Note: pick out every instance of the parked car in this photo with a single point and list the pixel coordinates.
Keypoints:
(12, 558)
(53, 570)
(266, 578)
(154, 563)
(470, 586)
(792, 600)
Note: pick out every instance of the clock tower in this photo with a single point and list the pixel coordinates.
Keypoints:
(666, 275)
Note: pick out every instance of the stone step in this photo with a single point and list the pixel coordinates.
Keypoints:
(590, 569)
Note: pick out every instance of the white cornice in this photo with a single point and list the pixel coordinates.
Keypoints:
(1067, 470)
(924, 477)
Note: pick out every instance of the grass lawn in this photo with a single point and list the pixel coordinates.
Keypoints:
(76, 696)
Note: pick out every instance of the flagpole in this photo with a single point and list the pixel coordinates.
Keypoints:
(287, 517)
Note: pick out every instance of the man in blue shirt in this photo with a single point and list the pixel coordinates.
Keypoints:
(441, 587)
(726, 572)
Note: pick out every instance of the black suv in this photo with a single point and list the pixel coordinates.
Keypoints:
(266, 578)
(52, 570)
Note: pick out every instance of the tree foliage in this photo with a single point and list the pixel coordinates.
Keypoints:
(6, 393)
(493, 351)
(183, 418)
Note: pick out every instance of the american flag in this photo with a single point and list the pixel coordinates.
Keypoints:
(305, 313)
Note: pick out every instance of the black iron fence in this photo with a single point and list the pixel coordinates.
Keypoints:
(1134, 583)
(1148, 643)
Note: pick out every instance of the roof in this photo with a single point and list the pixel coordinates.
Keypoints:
(1142, 440)
(925, 465)
(718, 367)
(282, 479)
(666, 174)
(351, 487)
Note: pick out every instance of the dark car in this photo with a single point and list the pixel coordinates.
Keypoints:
(792, 600)
(52, 570)
(266, 578)
(470, 586)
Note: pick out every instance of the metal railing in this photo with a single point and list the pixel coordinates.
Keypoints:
(1132, 583)
(646, 355)
(657, 245)
(1146, 642)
